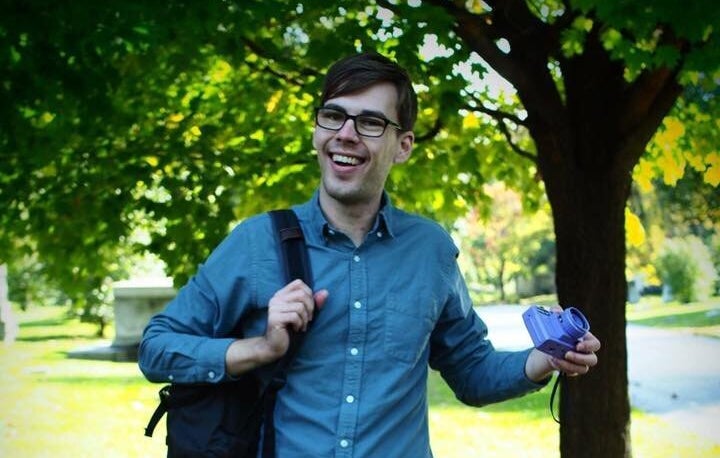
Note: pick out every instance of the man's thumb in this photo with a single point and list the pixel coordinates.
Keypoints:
(320, 297)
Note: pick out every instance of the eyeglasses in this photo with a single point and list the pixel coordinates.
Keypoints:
(365, 124)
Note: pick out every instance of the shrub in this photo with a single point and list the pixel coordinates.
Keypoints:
(685, 265)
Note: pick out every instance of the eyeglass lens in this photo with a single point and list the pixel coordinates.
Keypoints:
(367, 125)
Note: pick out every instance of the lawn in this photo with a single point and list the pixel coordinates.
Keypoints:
(702, 318)
(59, 407)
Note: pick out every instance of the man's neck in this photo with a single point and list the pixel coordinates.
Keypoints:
(354, 220)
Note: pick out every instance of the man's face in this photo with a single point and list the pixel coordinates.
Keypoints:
(354, 167)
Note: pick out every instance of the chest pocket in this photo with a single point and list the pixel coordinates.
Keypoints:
(409, 321)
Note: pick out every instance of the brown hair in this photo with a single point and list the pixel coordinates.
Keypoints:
(360, 71)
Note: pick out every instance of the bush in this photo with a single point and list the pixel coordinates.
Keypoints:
(685, 265)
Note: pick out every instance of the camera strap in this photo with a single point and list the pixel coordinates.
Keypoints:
(556, 416)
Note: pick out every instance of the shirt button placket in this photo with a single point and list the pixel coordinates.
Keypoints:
(357, 334)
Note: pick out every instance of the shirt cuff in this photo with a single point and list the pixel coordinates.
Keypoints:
(213, 354)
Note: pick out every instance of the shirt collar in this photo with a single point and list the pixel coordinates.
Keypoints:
(311, 213)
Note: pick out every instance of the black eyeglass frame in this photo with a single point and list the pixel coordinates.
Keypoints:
(387, 121)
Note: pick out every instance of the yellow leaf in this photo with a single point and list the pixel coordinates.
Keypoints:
(258, 135)
(672, 167)
(634, 231)
(438, 200)
(712, 173)
(674, 129)
(667, 138)
(643, 175)
(272, 103)
(46, 118)
(471, 121)
(220, 71)
(696, 161)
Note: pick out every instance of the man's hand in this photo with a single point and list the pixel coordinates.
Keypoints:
(580, 361)
(539, 365)
(291, 308)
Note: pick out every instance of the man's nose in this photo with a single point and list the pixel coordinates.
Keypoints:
(347, 131)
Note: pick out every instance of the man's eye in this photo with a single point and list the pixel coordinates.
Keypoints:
(333, 115)
(371, 123)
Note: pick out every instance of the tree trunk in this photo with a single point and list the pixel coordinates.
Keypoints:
(588, 208)
(589, 132)
(501, 280)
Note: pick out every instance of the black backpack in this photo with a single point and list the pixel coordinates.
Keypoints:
(225, 419)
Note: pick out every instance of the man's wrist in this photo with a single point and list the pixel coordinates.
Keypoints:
(244, 355)
(538, 366)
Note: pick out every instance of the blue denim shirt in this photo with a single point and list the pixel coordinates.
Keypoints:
(357, 387)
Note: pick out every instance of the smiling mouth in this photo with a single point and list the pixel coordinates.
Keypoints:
(342, 159)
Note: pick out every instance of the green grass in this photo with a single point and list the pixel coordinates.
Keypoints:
(701, 318)
(53, 406)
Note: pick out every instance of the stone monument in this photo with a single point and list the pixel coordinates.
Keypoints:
(8, 323)
(135, 302)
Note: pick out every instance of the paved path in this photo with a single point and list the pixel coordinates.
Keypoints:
(673, 375)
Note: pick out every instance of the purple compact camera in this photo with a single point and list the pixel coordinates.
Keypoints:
(555, 333)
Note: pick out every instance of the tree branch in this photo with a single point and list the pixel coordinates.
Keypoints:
(649, 99)
(497, 114)
(287, 63)
(429, 135)
(642, 93)
(479, 32)
(501, 117)
(513, 146)
(531, 41)
(639, 129)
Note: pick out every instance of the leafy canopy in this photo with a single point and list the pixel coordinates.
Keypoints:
(157, 125)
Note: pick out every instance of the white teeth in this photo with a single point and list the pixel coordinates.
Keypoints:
(345, 159)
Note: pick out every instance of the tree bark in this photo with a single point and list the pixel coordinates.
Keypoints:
(589, 227)
(588, 138)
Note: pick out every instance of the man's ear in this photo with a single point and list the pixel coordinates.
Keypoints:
(406, 142)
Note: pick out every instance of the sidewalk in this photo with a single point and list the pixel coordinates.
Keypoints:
(673, 375)
(676, 376)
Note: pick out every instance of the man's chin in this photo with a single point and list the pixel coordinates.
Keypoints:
(346, 195)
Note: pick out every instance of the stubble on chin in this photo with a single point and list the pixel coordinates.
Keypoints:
(344, 193)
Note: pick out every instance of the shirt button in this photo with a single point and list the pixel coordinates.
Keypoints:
(211, 375)
(350, 399)
(357, 305)
(171, 378)
(356, 258)
(379, 234)
(344, 443)
(354, 351)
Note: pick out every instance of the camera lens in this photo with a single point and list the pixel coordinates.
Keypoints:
(574, 323)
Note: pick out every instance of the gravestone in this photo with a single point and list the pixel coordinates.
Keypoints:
(8, 323)
(135, 302)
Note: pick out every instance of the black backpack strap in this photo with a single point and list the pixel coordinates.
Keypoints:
(292, 246)
(295, 258)
(161, 409)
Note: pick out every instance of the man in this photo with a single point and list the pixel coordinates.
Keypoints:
(393, 300)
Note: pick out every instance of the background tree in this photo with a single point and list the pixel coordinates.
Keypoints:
(193, 115)
(502, 243)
